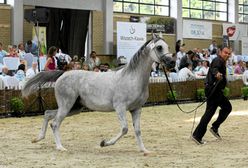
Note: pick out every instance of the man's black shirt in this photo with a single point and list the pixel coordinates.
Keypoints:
(218, 64)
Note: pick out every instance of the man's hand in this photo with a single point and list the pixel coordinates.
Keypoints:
(218, 76)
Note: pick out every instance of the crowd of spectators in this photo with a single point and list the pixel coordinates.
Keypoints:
(55, 59)
(190, 65)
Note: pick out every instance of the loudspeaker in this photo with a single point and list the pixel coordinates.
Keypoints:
(40, 15)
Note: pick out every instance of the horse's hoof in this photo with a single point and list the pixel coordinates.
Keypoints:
(103, 144)
(34, 140)
(146, 153)
(61, 148)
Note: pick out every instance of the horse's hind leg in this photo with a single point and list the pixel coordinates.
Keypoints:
(121, 112)
(136, 125)
(49, 114)
(61, 114)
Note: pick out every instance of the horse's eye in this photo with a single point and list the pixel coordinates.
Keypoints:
(159, 48)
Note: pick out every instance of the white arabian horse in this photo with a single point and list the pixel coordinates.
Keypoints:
(123, 90)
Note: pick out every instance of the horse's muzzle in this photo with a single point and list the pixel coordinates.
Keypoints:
(168, 61)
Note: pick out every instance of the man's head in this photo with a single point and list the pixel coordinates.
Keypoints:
(93, 54)
(29, 43)
(5, 70)
(225, 52)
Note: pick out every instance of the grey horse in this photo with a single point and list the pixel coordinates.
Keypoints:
(123, 90)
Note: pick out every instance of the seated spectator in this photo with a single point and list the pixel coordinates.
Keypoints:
(96, 69)
(173, 76)
(245, 75)
(61, 61)
(51, 61)
(205, 55)
(93, 60)
(2, 54)
(69, 67)
(77, 66)
(204, 69)
(181, 53)
(107, 67)
(199, 66)
(32, 71)
(21, 51)
(104, 67)
(198, 53)
(186, 73)
(239, 68)
(229, 67)
(20, 74)
(12, 51)
(62, 56)
(31, 47)
(5, 71)
(85, 66)
(5, 75)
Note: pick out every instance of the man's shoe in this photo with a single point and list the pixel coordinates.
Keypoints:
(215, 133)
(197, 140)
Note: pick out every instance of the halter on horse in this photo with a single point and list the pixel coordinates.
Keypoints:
(120, 91)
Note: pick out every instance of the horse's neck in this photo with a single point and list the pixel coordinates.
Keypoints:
(142, 70)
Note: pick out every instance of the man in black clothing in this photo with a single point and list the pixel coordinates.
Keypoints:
(214, 84)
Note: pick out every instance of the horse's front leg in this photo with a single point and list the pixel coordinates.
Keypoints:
(136, 124)
(121, 112)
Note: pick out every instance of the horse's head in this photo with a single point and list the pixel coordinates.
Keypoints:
(159, 52)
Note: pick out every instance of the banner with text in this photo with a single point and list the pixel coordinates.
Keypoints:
(197, 29)
(130, 37)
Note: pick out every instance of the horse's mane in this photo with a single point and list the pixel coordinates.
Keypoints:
(135, 59)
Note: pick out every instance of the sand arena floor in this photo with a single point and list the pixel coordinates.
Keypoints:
(165, 132)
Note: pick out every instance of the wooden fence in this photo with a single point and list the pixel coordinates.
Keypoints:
(186, 91)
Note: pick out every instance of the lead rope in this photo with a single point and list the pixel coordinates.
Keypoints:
(175, 98)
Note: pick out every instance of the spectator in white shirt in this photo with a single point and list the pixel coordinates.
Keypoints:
(32, 71)
(213, 46)
(20, 74)
(4, 75)
(204, 69)
(62, 56)
(93, 60)
(186, 73)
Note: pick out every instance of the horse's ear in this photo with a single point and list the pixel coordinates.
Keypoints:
(160, 35)
(154, 36)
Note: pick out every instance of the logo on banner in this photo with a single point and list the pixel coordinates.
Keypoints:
(132, 30)
(231, 31)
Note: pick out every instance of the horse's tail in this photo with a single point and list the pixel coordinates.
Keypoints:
(33, 84)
